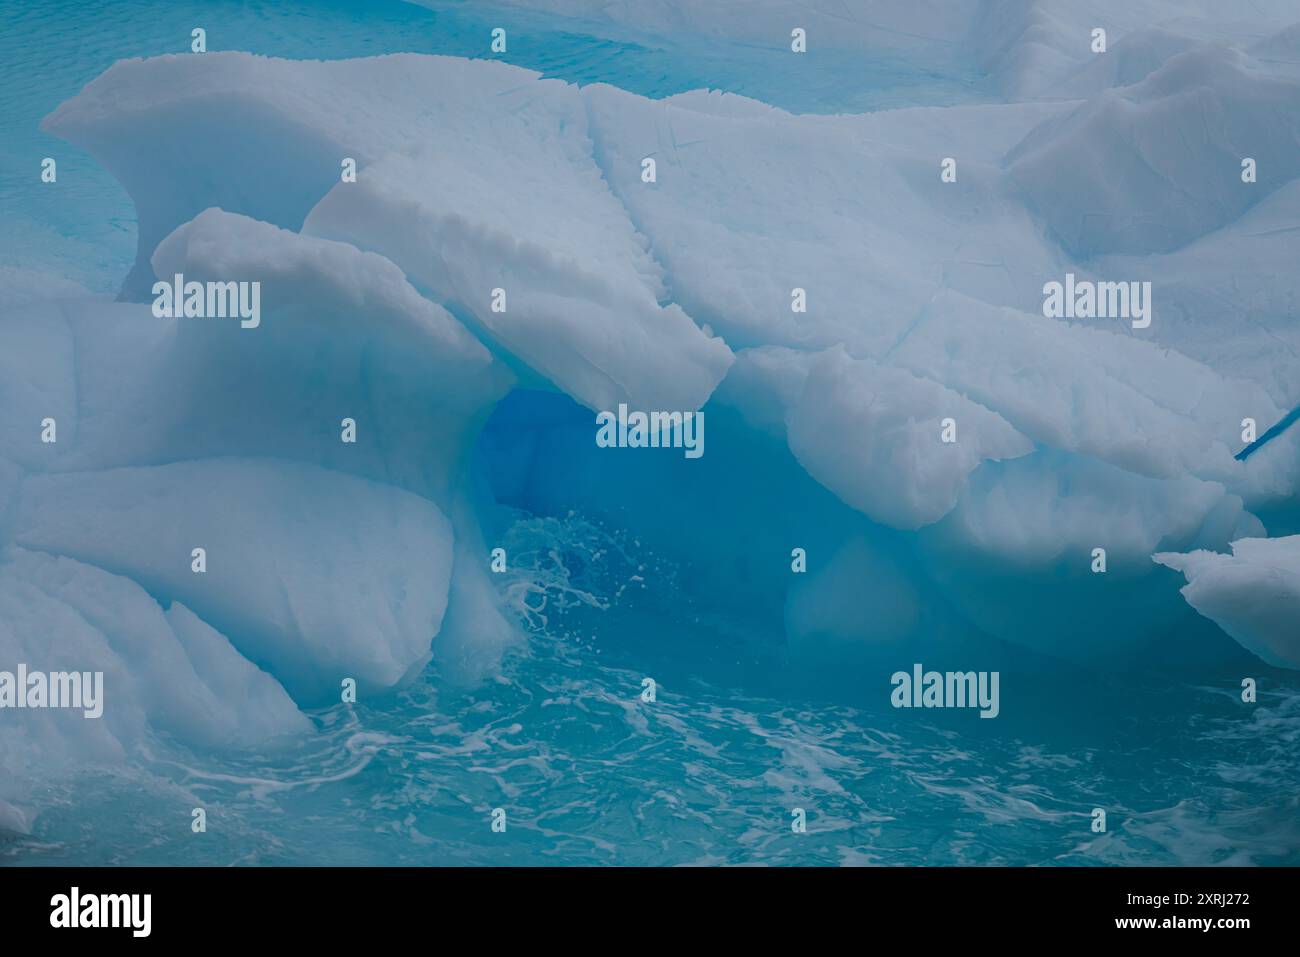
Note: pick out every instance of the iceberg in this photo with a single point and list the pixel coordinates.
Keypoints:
(865, 334)
(321, 575)
(617, 289)
(856, 426)
(1253, 593)
(166, 672)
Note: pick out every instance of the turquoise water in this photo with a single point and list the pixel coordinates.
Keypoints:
(711, 771)
(587, 772)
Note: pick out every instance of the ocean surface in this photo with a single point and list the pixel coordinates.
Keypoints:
(712, 771)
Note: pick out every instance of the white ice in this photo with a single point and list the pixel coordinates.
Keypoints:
(1253, 594)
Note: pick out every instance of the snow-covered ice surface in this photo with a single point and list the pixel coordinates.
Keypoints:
(1253, 594)
(774, 171)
